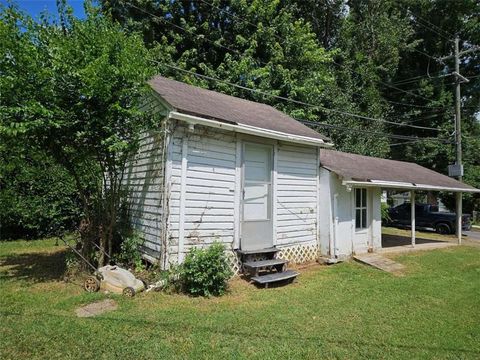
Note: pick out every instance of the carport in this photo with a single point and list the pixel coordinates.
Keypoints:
(364, 172)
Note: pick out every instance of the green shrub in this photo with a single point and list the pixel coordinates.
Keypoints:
(385, 214)
(129, 254)
(205, 272)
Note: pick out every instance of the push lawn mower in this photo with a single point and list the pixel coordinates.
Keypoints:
(110, 277)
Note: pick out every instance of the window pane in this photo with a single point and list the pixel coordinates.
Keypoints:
(364, 197)
(364, 218)
(357, 197)
(258, 164)
(256, 202)
(357, 219)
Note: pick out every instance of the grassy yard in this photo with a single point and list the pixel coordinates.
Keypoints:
(342, 311)
(419, 234)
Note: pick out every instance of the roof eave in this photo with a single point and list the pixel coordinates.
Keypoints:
(250, 130)
(406, 186)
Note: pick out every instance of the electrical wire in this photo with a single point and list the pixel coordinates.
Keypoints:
(282, 40)
(269, 94)
(261, 92)
(192, 33)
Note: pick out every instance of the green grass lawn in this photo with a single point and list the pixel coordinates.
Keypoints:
(343, 311)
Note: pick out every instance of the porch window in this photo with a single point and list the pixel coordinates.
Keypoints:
(360, 209)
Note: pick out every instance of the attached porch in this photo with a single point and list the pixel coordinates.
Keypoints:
(394, 239)
(355, 183)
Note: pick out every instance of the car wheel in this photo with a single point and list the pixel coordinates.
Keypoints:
(442, 228)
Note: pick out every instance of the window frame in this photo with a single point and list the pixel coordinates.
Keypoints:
(362, 209)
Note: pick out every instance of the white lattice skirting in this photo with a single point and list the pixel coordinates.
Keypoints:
(295, 254)
(235, 263)
(298, 254)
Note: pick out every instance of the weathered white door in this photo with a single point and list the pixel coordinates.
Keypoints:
(257, 225)
(362, 218)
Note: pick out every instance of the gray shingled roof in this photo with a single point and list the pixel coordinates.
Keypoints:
(367, 168)
(192, 100)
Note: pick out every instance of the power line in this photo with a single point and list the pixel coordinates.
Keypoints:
(315, 123)
(387, 85)
(368, 132)
(190, 32)
(295, 101)
(438, 74)
(425, 54)
(271, 95)
(416, 18)
(415, 105)
(282, 40)
(414, 142)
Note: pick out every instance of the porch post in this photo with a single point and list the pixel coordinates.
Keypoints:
(412, 206)
(459, 217)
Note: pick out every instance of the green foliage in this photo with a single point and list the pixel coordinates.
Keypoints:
(205, 272)
(37, 198)
(129, 254)
(385, 214)
(72, 265)
(74, 90)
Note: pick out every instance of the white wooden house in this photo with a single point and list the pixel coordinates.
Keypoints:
(242, 173)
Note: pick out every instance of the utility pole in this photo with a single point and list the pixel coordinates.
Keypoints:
(458, 116)
(457, 169)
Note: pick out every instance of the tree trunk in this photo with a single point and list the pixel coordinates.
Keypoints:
(87, 237)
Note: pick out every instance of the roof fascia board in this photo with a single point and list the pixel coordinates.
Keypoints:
(402, 185)
(251, 130)
(162, 100)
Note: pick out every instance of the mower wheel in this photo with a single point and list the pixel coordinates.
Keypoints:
(91, 284)
(129, 292)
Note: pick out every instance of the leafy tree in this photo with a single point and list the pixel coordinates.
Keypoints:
(426, 87)
(37, 197)
(74, 91)
(325, 16)
(257, 44)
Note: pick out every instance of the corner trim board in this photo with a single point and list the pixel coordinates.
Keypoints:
(183, 190)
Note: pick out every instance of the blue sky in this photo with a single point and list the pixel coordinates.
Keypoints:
(35, 7)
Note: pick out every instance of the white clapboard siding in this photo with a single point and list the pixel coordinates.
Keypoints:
(296, 194)
(144, 180)
(209, 184)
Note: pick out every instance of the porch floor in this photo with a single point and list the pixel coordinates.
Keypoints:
(424, 241)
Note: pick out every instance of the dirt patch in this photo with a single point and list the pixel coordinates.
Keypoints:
(96, 308)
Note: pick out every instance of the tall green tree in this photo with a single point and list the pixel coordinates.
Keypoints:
(425, 93)
(258, 44)
(74, 91)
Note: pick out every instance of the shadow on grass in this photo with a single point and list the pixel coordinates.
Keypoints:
(34, 267)
(398, 240)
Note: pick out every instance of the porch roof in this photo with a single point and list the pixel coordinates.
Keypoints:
(359, 170)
